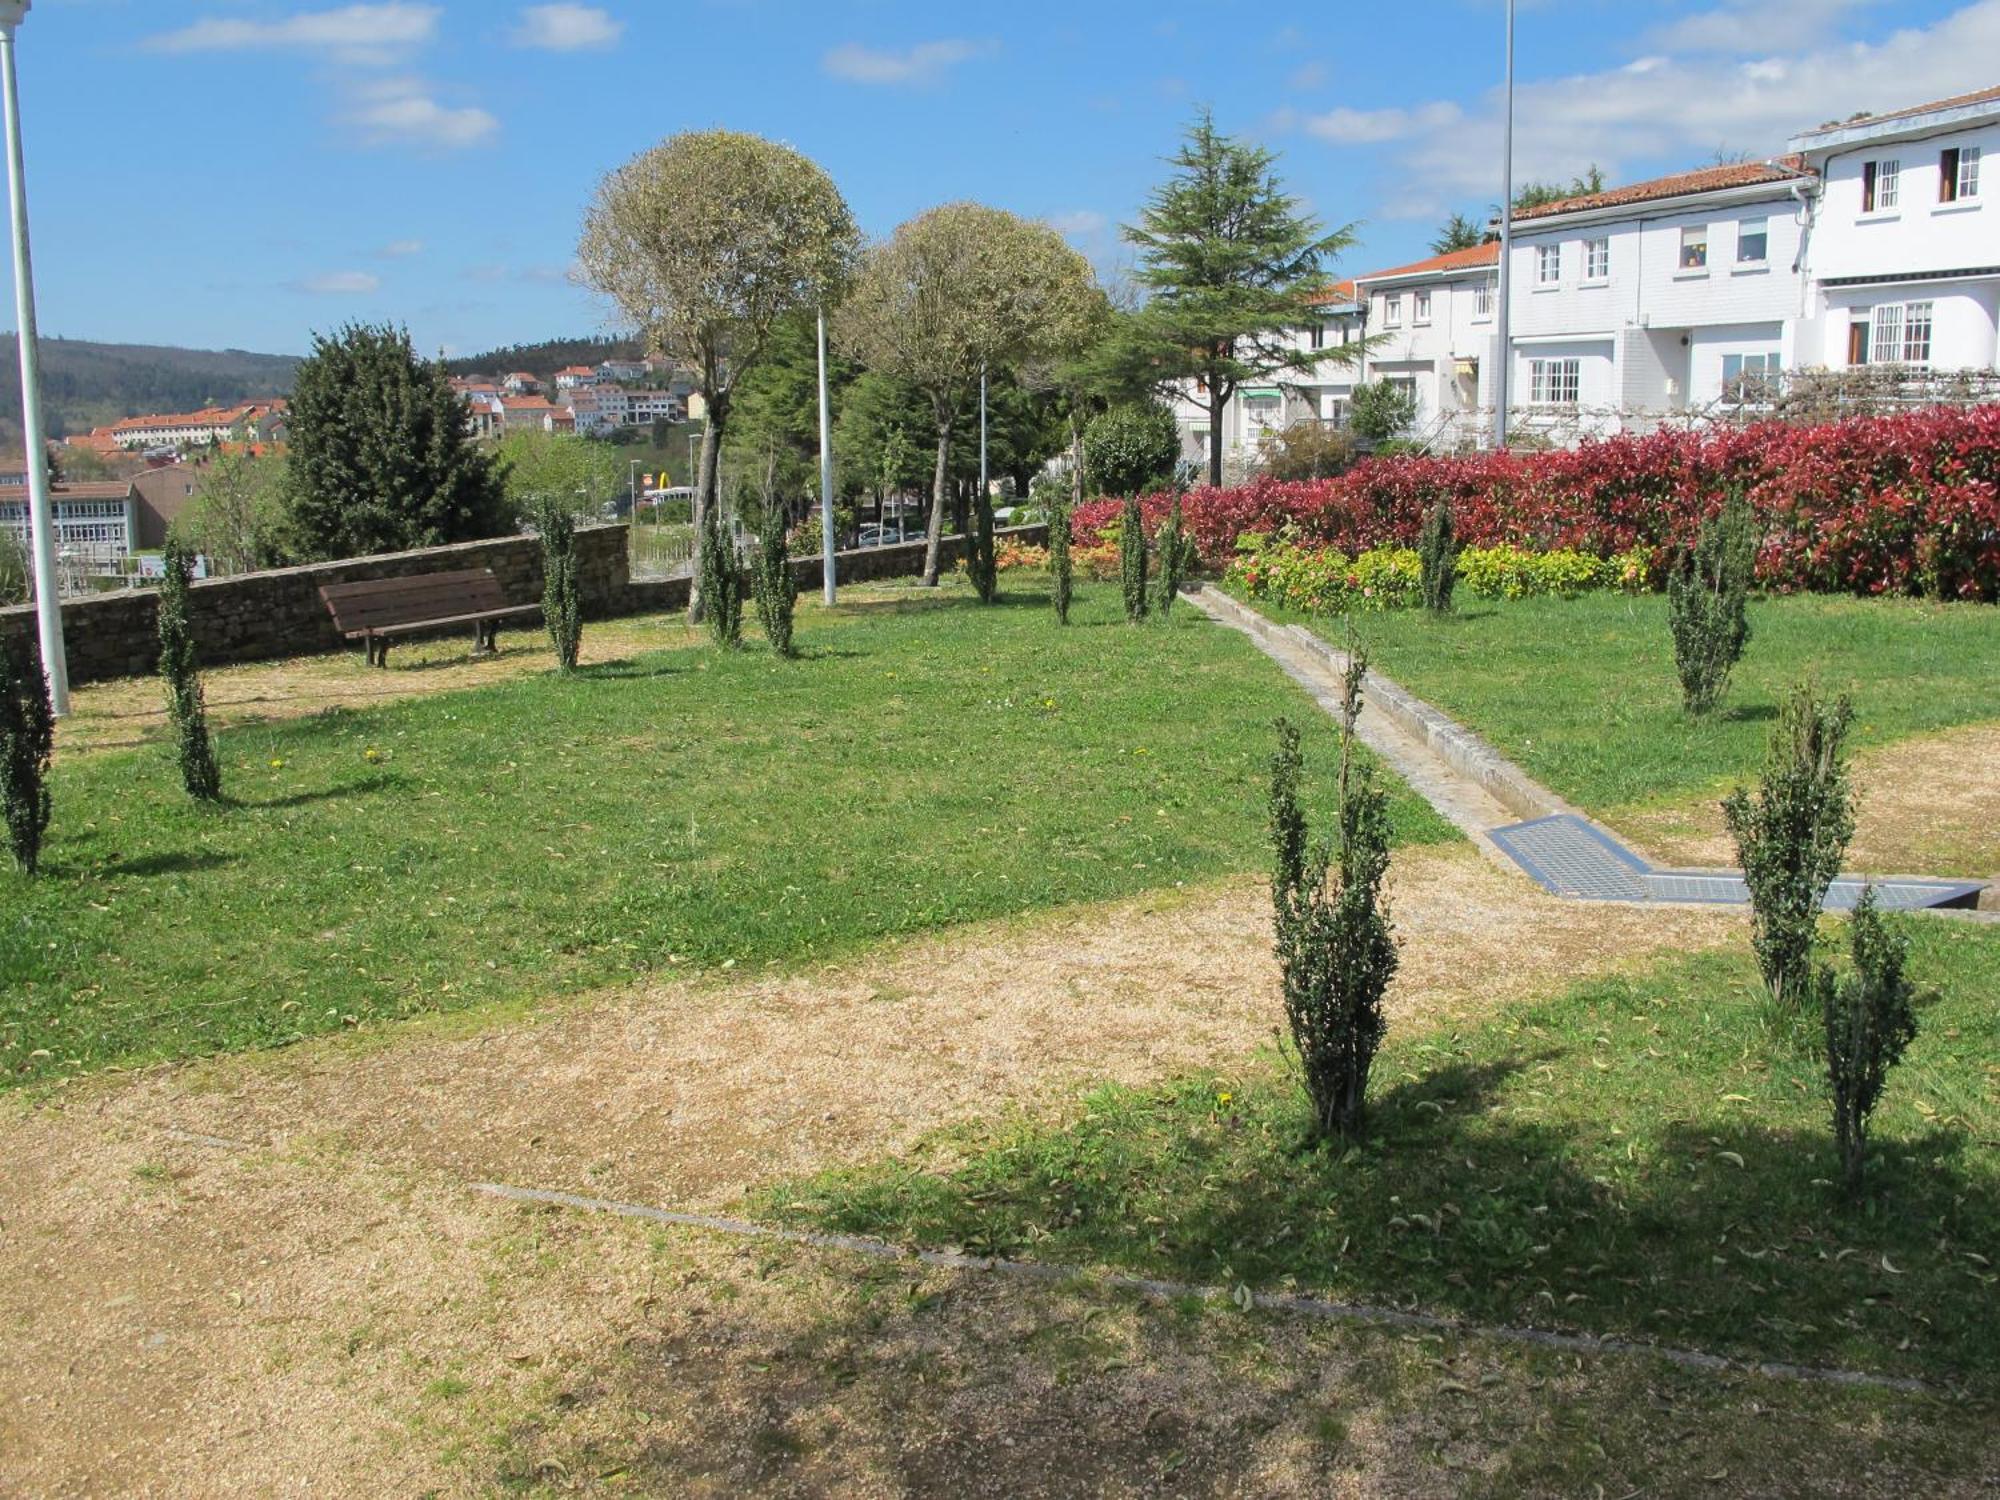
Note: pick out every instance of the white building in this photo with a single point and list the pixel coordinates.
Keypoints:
(1430, 328)
(1906, 244)
(1657, 298)
(575, 376)
(623, 369)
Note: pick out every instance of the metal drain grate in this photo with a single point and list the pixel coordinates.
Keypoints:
(1571, 856)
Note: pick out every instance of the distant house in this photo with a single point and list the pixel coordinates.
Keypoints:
(624, 369)
(162, 495)
(247, 421)
(96, 525)
(520, 383)
(531, 412)
(576, 376)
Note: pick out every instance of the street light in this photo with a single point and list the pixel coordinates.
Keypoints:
(1504, 368)
(41, 519)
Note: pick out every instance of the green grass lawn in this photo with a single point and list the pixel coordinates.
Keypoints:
(929, 762)
(1644, 1156)
(1582, 692)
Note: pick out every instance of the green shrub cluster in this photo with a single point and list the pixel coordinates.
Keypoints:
(1132, 559)
(1438, 550)
(1131, 449)
(1708, 604)
(1177, 557)
(721, 584)
(27, 739)
(562, 604)
(180, 668)
(1790, 838)
(776, 589)
(1062, 583)
(1869, 1023)
(979, 560)
(1336, 948)
(1321, 580)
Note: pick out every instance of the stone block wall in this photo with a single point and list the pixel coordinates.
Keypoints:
(274, 614)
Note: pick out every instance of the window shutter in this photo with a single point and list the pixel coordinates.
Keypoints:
(1868, 187)
(1857, 342)
(1948, 175)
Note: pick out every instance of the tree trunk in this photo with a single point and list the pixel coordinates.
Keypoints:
(707, 487)
(1217, 401)
(934, 535)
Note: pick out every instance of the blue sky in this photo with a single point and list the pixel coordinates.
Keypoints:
(241, 172)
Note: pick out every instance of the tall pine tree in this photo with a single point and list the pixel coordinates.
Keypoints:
(381, 460)
(1230, 261)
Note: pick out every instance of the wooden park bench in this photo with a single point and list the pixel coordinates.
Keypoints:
(375, 611)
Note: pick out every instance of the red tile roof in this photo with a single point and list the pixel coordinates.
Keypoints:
(1340, 291)
(1455, 260)
(1679, 185)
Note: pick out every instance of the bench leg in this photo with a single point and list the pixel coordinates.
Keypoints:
(484, 635)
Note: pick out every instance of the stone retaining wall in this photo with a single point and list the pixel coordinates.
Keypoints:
(268, 615)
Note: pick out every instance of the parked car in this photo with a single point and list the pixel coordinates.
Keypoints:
(883, 536)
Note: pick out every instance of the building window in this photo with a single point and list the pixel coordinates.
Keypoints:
(1694, 247)
(1318, 335)
(1392, 312)
(1482, 300)
(1555, 382)
(1900, 335)
(1750, 377)
(1881, 185)
(1597, 259)
(1958, 174)
(1548, 264)
(1753, 241)
(1420, 307)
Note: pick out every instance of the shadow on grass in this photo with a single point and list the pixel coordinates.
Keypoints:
(1477, 1194)
(174, 862)
(380, 782)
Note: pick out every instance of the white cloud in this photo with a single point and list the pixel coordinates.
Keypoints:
(1305, 77)
(1078, 221)
(567, 28)
(1635, 120)
(340, 284)
(925, 63)
(367, 35)
(1367, 127)
(403, 112)
(400, 249)
(1739, 26)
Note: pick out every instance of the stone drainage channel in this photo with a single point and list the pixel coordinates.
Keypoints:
(1513, 819)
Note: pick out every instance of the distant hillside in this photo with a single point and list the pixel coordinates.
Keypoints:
(544, 359)
(85, 385)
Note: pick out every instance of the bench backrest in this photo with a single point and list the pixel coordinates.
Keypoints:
(410, 601)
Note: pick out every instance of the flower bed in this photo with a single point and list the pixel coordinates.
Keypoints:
(1874, 505)
(1317, 580)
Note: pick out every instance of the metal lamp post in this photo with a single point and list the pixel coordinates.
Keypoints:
(1504, 368)
(825, 472)
(48, 605)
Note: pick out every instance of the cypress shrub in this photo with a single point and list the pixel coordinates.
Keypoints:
(1869, 1022)
(721, 585)
(27, 738)
(776, 589)
(1062, 583)
(562, 607)
(1437, 554)
(1176, 549)
(1132, 559)
(180, 669)
(979, 560)
(1791, 836)
(1336, 947)
(1707, 604)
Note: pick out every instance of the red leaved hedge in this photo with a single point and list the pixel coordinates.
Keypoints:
(1874, 505)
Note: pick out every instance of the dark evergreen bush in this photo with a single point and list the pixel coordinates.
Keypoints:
(562, 606)
(1336, 947)
(1177, 551)
(979, 560)
(1132, 559)
(180, 668)
(27, 737)
(1437, 552)
(1707, 604)
(776, 589)
(1062, 585)
(1791, 836)
(1869, 1022)
(721, 584)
